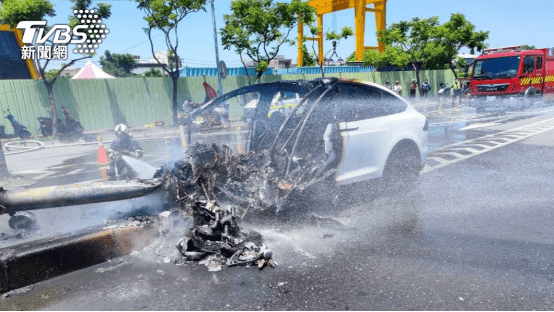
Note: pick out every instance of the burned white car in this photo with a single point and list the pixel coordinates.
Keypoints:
(340, 132)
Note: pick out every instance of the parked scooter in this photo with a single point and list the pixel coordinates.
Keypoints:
(19, 129)
(71, 129)
(209, 119)
(444, 90)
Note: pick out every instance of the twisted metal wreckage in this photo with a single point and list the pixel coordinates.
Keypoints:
(217, 187)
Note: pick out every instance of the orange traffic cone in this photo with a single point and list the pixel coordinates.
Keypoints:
(103, 161)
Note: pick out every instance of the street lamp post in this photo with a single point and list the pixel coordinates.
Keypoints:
(220, 89)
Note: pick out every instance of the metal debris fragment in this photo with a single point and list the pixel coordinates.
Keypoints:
(217, 187)
(212, 186)
(216, 239)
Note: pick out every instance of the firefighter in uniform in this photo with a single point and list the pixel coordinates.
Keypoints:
(124, 144)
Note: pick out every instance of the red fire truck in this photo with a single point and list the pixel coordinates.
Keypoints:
(511, 78)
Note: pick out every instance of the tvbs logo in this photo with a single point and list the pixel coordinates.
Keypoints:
(87, 35)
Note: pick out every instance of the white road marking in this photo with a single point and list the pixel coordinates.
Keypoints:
(479, 125)
(497, 140)
(474, 117)
(44, 175)
(75, 171)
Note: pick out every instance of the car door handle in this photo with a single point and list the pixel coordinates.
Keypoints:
(349, 129)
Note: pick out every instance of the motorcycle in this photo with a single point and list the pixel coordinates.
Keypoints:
(444, 91)
(212, 118)
(19, 129)
(71, 129)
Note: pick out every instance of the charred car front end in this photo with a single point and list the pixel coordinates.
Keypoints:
(337, 132)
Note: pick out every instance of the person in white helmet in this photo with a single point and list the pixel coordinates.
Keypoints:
(124, 144)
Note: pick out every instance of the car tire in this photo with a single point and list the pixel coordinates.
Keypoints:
(402, 167)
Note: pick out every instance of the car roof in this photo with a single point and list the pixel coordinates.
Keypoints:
(298, 86)
(372, 84)
(498, 55)
(365, 82)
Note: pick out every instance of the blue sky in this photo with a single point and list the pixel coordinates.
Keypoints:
(510, 22)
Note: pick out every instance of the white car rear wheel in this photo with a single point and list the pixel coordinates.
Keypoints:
(402, 167)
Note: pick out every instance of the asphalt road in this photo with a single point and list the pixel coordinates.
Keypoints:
(474, 234)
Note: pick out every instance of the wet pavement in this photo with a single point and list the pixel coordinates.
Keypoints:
(472, 235)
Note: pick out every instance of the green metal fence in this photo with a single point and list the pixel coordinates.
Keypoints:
(103, 103)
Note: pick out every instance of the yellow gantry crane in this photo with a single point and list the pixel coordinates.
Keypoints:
(360, 9)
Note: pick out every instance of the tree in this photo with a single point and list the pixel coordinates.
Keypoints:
(460, 63)
(308, 59)
(120, 64)
(153, 73)
(165, 16)
(53, 73)
(320, 59)
(315, 31)
(258, 28)
(352, 57)
(14, 11)
(390, 56)
(426, 45)
(406, 43)
(456, 34)
(528, 47)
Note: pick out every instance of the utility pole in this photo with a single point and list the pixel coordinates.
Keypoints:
(220, 89)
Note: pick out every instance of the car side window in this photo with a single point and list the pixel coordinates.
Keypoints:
(392, 104)
(539, 63)
(364, 102)
(528, 64)
(357, 102)
(288, 96)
